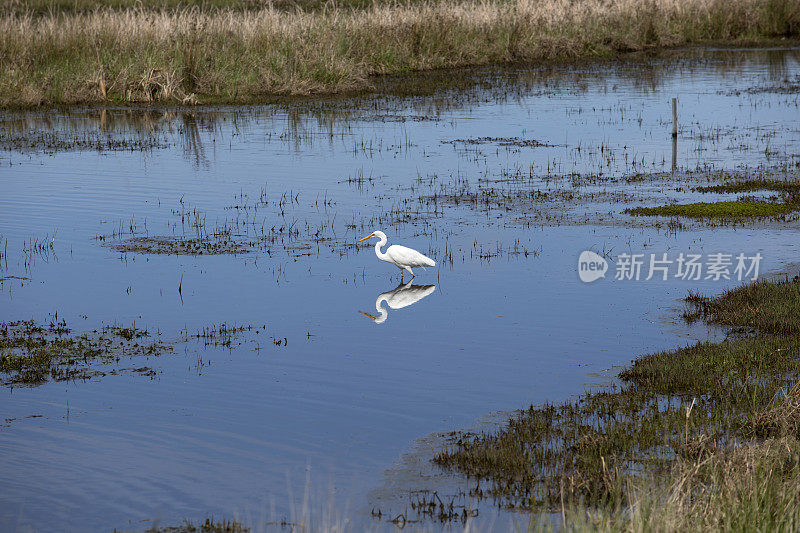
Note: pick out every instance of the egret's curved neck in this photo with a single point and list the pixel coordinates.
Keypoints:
(380, 309)
(378, 245)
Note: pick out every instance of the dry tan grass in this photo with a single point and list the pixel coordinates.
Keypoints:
(138, 55)
(751, 487)
(745, 486)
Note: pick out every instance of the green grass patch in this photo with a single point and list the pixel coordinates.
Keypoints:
(770, 307)
(719, 210)
(753, 185)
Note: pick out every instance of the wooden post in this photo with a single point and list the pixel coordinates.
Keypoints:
(674, 117)
(674, 152)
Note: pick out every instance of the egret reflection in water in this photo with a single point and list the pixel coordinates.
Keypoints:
(401, 296)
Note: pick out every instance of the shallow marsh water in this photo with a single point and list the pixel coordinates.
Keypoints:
(318, 399)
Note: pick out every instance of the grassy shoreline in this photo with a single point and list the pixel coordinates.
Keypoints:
(229, 55)
(705, 437)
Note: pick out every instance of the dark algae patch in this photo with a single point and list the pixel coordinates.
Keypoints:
(38, 140)
(32, 353)
(502, 141)
(719, 210)
(695, 433)
(182, 246)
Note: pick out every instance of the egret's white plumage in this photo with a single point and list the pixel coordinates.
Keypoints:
(400, 256)
(399, 297)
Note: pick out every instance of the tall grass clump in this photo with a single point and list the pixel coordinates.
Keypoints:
(748, 488)
(229, 54)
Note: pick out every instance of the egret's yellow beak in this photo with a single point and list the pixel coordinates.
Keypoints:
(373, 317)
(367, 237)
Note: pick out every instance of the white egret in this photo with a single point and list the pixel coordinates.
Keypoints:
(399, 297)
(400, 256)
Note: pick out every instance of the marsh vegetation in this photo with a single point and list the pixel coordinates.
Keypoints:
(208, 526)
(236, 52)
(232, 233)
(701, 437)
(32, 353)
(720, 210)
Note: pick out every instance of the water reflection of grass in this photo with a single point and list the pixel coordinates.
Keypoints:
(209, 526)
(225, 54)
(702, 437)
